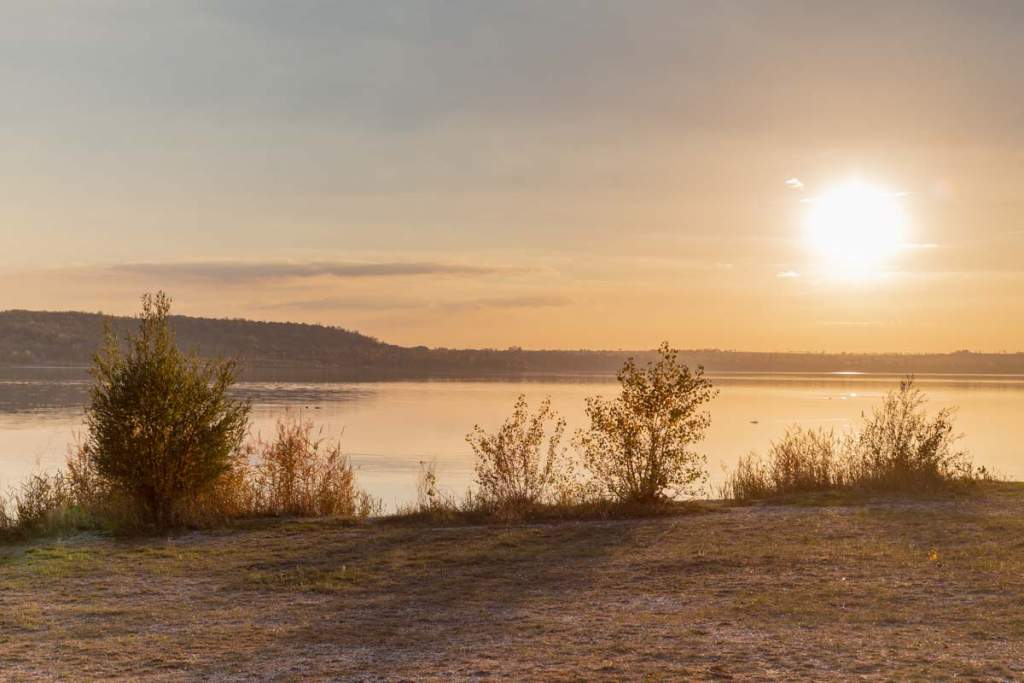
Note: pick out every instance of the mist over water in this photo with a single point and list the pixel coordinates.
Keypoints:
(389, 428)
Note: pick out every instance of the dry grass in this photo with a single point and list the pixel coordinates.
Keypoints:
(894, 589)
(300, 474)
(898, 447)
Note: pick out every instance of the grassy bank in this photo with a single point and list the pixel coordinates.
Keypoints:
(888, 588)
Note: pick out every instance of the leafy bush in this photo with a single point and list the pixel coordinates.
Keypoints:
(161, 426)
(898, 448)
(638, 446)
(521, 464)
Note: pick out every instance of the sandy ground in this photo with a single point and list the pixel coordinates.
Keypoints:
(891, 590)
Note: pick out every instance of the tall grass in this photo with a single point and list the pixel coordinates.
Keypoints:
(300, 474)
(898, 448)
(297, 473)
(802, 460)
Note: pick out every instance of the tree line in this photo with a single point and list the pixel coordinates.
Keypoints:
(270, 350)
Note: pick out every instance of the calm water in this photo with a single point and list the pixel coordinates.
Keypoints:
(389, 428)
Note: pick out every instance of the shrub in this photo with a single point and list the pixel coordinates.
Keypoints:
(521, 464)
(638, 446)
(898, 448)
(803, 460)
(161, 426)
(67, 500)
(43, 503)
(299, 474)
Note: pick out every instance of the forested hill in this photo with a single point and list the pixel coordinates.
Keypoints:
(293, 350)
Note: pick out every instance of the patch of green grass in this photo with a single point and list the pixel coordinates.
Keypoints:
(543, 513)
(305, 579)
(59, 561)
(26, 619)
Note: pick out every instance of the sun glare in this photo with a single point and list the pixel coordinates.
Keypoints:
(855, 228)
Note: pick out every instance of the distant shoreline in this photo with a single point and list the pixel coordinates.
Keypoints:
(262, 374)
(49, 342)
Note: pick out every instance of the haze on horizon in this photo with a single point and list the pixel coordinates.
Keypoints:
(763, 176)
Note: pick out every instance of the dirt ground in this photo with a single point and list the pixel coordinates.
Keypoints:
(905, 590)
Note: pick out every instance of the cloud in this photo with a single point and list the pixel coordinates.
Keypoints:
(795, 183)
(532, 301)
(229, 272)
(850, 323)
(788, 274)
(372, 303)
(350, 303)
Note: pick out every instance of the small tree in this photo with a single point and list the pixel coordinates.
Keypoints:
(161, 426)
(514, 466)
(638, 445)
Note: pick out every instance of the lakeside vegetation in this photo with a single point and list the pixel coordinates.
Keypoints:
(898, 448)
(167, 447)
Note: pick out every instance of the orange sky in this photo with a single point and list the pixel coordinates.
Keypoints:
(554, 175)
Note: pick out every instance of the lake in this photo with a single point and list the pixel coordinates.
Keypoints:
(390, 428)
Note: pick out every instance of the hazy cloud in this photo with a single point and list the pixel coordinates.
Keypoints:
(850, 323)
(532, 301)
(795, 183)
(244, 272)
(371, 303)
(788, 274)
(346, 303)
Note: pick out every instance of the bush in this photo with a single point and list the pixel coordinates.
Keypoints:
(521, 464)
(44, 503)
(803, 460)
(638, 446)
(161, 427)
(898, 448)
(301, 475)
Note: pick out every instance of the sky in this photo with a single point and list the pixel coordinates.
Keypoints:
(545, 175)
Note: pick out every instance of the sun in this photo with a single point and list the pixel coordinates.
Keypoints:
(855, 227)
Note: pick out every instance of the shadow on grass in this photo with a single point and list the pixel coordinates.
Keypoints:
(853, 496)
(540, 514)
